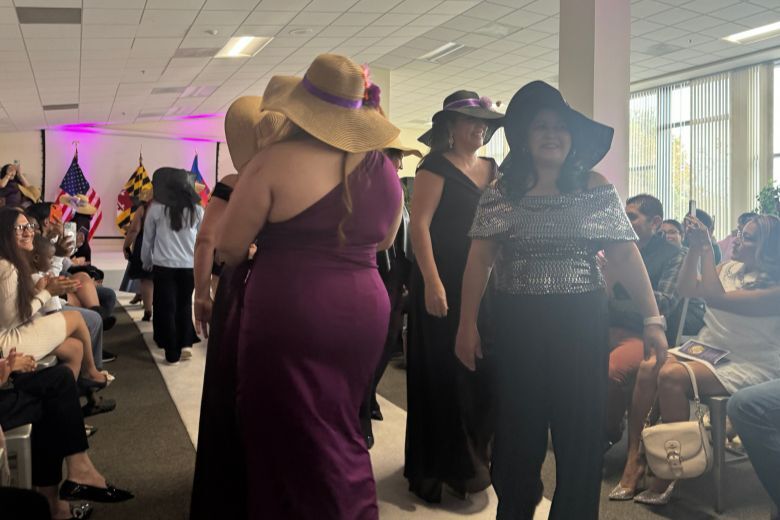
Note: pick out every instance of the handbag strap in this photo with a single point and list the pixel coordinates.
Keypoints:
(696, 399)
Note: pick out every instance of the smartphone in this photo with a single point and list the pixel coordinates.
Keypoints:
(55, 214)
(692, 208)
(70, 229)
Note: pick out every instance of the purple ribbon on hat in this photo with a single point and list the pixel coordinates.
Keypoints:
(483, 102)
(315, 91)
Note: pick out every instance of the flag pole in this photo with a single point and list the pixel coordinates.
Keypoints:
(76, 145)
(141, 155)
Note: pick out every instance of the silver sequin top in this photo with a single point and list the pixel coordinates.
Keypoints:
(549, 242)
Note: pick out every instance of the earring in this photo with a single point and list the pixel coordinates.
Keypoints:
(451, 142)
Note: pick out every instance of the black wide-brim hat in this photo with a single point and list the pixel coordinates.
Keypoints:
(467, 103)
(590, 140)
(170, 185)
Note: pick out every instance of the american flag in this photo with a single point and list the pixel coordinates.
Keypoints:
(74, 183)
(205, 192)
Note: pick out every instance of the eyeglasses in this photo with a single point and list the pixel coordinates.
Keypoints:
(21, 228)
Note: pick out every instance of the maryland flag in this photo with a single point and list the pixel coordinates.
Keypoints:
(128, 199)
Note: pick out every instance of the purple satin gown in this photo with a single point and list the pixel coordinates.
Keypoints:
(313, 327)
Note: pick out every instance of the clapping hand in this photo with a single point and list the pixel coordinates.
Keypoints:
(7, 365)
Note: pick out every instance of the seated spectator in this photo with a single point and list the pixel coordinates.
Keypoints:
(87, 294)
(743, 317)
(727, 244)
(41, 262)
(673, 231)
(755, 413)
(662, 260)
(64, 333)
(91, 294)
(12, 183)
(49, 400)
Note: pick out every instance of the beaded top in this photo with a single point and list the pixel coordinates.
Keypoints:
(549, 242)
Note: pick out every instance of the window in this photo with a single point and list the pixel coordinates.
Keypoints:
(497, 146)
(679, 136)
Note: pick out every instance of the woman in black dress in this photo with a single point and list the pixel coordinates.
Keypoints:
(219, 465)
(448, 428)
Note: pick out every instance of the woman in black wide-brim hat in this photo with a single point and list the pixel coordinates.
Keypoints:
(542, 224)
(448, 429)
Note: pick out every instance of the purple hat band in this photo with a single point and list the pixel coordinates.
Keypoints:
(312, 89)
(470, 102)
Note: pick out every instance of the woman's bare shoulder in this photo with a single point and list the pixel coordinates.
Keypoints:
(596, 179)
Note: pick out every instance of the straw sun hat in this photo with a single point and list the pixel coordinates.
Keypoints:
(397, 144)
(245, 123)
(334, 102)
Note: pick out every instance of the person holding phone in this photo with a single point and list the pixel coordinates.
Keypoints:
(11, 179)
(63, 333)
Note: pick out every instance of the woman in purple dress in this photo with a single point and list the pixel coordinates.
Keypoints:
(321, 201)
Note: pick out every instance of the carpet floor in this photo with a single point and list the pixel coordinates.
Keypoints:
(745, 498)
(143, 445)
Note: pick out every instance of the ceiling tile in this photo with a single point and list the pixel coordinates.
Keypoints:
(314, 19)
(359, 20)
(168, 16)
(708, 6)
(221, 17)
(114, 4)
(548, 7)
(240, 5)
(106, 43)
(51, 30)
(109, 31)
(282, 5)
(174, 4)
(111, 16)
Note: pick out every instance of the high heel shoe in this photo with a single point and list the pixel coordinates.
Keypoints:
(622, 493)
(653, 498)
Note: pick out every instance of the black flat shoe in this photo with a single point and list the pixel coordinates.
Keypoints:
(98, 406)
(108, 357)
(70, 491)
(147, 316)
(80, 512)
(369, 441)
(377, 415)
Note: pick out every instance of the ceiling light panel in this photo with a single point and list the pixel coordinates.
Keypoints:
(757, 34)
(243, 47)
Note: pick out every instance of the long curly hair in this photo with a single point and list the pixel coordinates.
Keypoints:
(519, 172)
(767, 251)
(20, 259)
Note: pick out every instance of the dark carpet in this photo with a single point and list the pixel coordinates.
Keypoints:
(142, 445)
(692, 499)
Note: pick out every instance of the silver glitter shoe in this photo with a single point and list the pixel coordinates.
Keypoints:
(652, 498)
(620, 493)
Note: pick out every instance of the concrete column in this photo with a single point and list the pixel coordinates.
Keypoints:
(594, 72)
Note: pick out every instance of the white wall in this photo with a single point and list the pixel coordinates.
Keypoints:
(26, 147)
(108, 160)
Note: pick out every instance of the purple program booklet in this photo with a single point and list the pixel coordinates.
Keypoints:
(699, 351)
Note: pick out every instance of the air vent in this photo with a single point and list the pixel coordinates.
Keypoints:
(197, 52)
(197, 91)
(50, 108)
(661, 49)
(58, 15)
(496, 30)
(151, 114)
(454, 55)
(168, 90)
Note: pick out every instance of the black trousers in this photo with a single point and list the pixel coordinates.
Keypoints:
(172, 318)
(551, 359)
(49, 400)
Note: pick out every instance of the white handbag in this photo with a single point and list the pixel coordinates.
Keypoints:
(679, 450)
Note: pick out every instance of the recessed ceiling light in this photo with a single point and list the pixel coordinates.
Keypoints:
(755, 35)
(302, 31)
(440, 52)
(243, 46)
